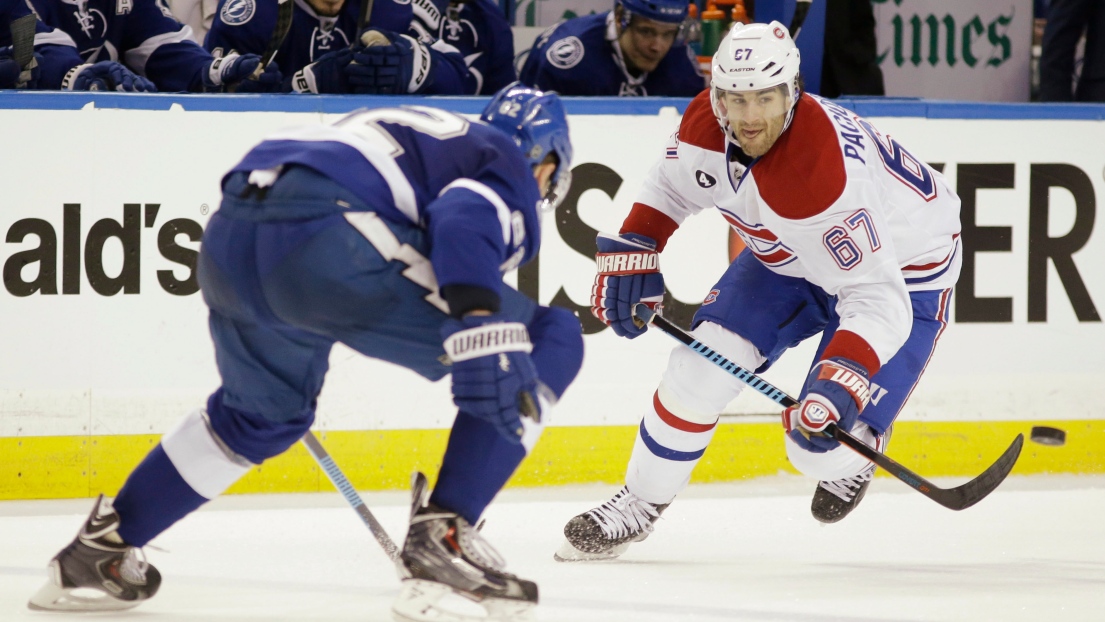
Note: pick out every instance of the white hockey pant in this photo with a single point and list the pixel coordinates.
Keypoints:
(680, 424)
(838, 463)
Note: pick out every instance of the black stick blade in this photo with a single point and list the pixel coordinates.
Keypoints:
(972, 492)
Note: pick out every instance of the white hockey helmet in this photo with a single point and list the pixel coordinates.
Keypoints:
(752, 57)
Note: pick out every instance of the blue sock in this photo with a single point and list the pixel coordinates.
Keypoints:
(153, 498)
(477, 464)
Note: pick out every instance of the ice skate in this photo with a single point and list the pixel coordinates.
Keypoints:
(607, 531)
(445, 557)
(834, 500)
(97, 571)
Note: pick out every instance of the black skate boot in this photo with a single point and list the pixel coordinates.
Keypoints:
(99, 560)
(607, 531)
(445, 555)
(834, 500)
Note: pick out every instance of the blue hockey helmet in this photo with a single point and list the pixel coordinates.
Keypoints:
(537, 123)
(670, 11)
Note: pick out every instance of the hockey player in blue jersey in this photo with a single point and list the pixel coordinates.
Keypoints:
(322, 52)
(479, 30)
(144, 36)
(388, 231)
(55, 63)
(634, 50)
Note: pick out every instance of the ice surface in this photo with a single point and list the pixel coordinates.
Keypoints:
(1034, 550)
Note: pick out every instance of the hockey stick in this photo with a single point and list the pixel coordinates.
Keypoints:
(23, 47)
(958, 498)
(364, 16)
(283, 24)
(800, 9)
(284, 11)
(322, 457)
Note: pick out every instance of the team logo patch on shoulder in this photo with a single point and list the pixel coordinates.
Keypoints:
(565, 53)
(711, 297)
(237, 12)
(704, 179)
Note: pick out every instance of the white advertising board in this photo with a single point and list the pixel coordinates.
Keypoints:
(101, 213)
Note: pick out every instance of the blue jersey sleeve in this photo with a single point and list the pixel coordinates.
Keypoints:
(58, 53)
(141, 34)
(161, 48)
(450, 73)
(482, 35)
(485, 222)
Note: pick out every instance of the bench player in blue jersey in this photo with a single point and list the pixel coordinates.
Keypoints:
(56, 64)
(634, 50)
(388, 231)
(144, 36)
(323, 52)
(479, 30)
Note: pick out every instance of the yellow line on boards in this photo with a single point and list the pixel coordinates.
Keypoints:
(53, 467)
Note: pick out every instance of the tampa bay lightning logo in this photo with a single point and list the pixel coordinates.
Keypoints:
(704, 179)
(565, 53)
(237, 12)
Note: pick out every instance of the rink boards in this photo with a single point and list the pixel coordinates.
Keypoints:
(105, 342)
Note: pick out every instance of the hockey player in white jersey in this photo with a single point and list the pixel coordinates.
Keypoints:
(847, 234)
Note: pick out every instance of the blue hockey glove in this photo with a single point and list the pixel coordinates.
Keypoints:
(10, 70)
(267, 81)
(493, 375)
(837, 390)
(401, 65)
(230, 69)
(628, 273)
(325, 75)
(106, 75)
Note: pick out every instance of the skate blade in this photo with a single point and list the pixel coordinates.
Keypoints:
(429, 601)
(52, 597)
(569, 553)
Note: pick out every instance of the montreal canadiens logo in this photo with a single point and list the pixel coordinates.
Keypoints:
(237, 12)
(565, 53)
(711, 297)
(778, 32)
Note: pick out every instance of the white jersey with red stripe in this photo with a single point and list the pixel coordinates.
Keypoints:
(834, 202)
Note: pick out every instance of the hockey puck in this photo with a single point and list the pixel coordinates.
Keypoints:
(1048, 436)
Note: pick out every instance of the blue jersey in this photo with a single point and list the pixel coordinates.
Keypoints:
(59, 55)
(245, 26)
(465, 183)
(578, 57)
(479, 30)
(141, 34)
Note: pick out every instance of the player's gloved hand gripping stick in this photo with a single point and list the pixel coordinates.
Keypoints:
(958, 498)
(494, 378)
